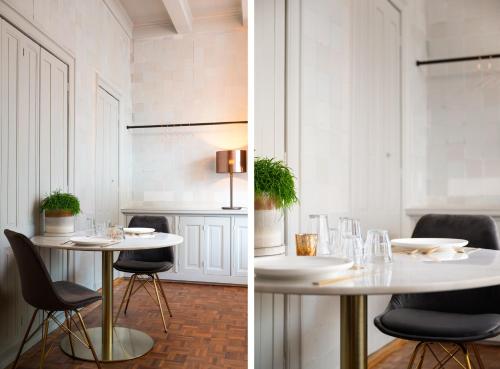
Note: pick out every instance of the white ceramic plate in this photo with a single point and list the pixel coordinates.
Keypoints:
(138, 230)
(429, 243)
(299, 266)
(90, 241)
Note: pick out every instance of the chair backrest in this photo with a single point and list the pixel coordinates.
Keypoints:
(36, 283)
(160, 224)
(480, 231)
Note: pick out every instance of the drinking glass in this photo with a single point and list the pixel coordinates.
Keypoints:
(306, 244)
(378, 247)
(334, 241)
(101, 229)
(90, 229)
(354, 249)
(349, 236)
(318, 224)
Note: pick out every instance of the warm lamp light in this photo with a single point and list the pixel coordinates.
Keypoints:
(231, 161)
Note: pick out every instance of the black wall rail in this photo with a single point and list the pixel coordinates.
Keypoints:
(460, 59)
(187, 124)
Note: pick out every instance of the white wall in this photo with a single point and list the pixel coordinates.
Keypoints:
(198, 77)
(464, 118)
(90, 33)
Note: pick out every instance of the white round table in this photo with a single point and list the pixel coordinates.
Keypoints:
(407, 274)
(111, 343)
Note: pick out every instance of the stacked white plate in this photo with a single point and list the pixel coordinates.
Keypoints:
(299, 267)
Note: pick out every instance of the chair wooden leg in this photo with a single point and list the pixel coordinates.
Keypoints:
(130, 293)
(163, 294)
(159, 304)
(87, 338)
(45, 334)
(123, 299)
(25, 338)
(68, 324)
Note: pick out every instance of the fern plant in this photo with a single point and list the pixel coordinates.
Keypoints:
(61, 201)
(274, 180)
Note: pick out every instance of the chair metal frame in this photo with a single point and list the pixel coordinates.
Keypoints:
(145, 279)
(466, 349)
(83, 335)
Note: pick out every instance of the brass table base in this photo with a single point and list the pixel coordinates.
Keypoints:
(353, 332)
(128, 344)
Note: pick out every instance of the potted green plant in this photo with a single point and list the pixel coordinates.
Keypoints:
(274, 189)
(59, 209)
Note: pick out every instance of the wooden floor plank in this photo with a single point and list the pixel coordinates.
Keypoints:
(208, 330)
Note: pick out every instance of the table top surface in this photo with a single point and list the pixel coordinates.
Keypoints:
(129, 243)
(407, 274)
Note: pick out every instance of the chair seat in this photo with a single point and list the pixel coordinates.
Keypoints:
(427, 325)
(75, 295)
(142, 267)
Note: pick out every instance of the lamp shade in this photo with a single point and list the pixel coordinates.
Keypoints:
(231, 161)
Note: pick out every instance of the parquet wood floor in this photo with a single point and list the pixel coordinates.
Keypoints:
(208, 330)
(400, 359)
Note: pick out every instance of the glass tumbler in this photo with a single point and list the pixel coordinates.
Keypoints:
(306, 244)
(349, 229)
(378, 247)
(318, 224)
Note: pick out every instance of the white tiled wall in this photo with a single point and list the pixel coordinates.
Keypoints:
(463, 104)
(199, 77)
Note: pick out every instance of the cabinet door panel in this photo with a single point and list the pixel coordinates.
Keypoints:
(217, 246)
(191, 250)
(240, 247)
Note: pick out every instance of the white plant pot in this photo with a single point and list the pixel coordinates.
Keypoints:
(268, 228)
(60, 224)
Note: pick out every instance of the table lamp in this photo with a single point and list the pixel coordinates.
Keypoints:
(231, 161)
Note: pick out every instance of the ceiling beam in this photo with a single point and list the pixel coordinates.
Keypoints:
(244, 12)
(180, 14)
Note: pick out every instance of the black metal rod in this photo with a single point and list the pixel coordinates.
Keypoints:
(187, 124)
(460, 59)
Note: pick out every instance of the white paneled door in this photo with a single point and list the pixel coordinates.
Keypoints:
(240, 247)
(376, 141)
(217, 246)
(191, 250)
(107, 154)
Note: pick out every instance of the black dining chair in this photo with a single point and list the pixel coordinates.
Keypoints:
(450, 321)
(50, 297)
(146, 264)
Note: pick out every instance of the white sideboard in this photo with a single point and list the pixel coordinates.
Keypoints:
(215, 247)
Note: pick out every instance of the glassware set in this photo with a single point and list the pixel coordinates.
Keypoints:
(104, 229)
(344, 241)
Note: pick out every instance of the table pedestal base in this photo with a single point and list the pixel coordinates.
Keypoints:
(353, 335)
(128, 344)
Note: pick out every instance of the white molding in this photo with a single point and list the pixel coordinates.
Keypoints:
(120, 14)
(180, 14)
